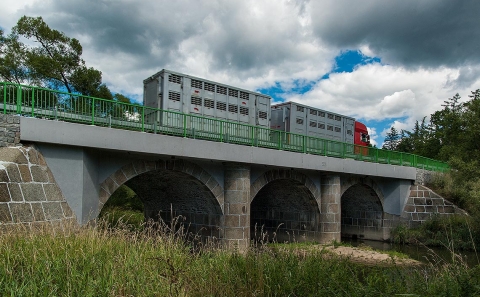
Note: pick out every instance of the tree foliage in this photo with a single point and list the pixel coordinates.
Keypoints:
(391, 140)
(452, 135)
(12, 59)
(54, 60)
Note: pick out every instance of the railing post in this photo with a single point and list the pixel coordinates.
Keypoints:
(252, 137)
(376, 155)
(344, 150)
(93, 111)
(33, 102)
(221, 131)
(279, 134)
(19, 99)
(143, 118)
(184, 125)
(304, 143)
(4, 98)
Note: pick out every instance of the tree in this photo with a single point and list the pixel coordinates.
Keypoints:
(391, 140)
(12, 59)
(56, 62)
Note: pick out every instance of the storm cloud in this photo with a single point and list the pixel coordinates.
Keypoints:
(413, 33)
(414, 53)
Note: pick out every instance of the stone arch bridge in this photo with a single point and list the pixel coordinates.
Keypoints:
(235, 193)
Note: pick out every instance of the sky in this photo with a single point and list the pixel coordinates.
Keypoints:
(385, 63)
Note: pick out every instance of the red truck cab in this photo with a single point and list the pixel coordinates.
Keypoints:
(361, 136)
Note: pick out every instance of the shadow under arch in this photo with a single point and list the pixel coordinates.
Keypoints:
(284, 206)
(172, 188)
(361, 209)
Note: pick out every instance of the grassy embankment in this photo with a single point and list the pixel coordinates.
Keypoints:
(153, 261)
(457, 232)
(145, 260)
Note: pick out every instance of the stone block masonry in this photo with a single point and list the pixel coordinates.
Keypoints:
(330, 207)
(9, 130)
(423, 203)
(237, 206)
(29, 195)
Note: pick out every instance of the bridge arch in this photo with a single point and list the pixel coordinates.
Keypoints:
(284, 202)
(361, 209)
(190, 190)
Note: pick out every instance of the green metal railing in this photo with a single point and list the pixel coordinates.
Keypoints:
(50, 104)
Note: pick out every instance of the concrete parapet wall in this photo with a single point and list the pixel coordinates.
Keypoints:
(29, 194)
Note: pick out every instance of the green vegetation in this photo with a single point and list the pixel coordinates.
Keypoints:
(451, 135)
(123, 207)
(53, 62)
(155, 262)
(453, 232)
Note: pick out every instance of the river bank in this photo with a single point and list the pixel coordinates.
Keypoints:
(156, 262)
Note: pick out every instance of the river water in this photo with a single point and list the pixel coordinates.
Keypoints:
(421, 253)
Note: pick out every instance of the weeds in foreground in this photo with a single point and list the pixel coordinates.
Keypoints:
(159, 260)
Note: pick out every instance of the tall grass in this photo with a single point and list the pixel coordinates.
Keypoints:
(158, 261)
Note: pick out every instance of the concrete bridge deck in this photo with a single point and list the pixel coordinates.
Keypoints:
(163, 145)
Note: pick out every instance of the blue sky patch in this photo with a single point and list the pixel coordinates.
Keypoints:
(349, 59)
(346, 61)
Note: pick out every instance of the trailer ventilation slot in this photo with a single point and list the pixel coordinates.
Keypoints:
(176, 79)
(262, 115)
(174, 96)
(338, 118)
(321, 114)
(244, 96)
(330, 116)
(338, 129)
(300, 108)
(329, 128)
(349, 132)
(221, 90)
(209, 87)
(243, 110)
(313, 124)
(221, 106)
(209, 103)
(196, 84)
(233, 108)
(300, 121)
(321, 126)
(232, 93)
(196, 100)
(313, 112)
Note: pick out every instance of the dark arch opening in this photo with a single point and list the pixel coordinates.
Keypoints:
(284, 210)
(168, 195)
(362, 213)
(123, 207)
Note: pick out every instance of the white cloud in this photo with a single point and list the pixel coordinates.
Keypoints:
(379, 92)
(373, 135)
(259, 44)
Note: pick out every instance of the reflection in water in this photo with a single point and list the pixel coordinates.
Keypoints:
(420, 253)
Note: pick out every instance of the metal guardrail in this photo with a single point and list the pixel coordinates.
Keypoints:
(57, 105)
